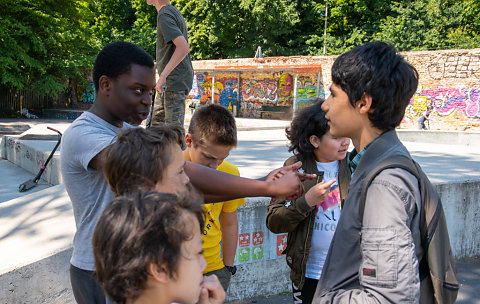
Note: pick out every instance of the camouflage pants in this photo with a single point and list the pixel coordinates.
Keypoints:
(169, 108)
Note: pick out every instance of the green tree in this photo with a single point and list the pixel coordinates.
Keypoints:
(349, 23)
(434, 24)
(44, 45)
(144, 28)
(235, 28)
(113, 20)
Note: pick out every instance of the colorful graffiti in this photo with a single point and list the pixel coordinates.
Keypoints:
(250, 108)
(276, 89)
(462, 101)
(225, 90)
(306, 92)
(229, 93)
(86, 93)
(262, 90)
(285, 89)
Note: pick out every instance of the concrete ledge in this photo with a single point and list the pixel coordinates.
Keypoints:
(461, 204)
(45, 281)
(31, 154)
(440, 137)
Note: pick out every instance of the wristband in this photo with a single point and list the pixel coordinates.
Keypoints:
(231, 269)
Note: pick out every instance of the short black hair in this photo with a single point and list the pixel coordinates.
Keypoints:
(138, 230)
(117, 58)
(310, 121)
(376, 69)
(213, 123)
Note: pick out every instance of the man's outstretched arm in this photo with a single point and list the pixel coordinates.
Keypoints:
(219, 186)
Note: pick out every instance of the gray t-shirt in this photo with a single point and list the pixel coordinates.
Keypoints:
(88, 190)
(170, 25)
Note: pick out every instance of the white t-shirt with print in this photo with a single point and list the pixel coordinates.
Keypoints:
(325, 224)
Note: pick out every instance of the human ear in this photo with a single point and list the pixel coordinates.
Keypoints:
(104, 84)
(315, 141)
(158, 273)
(364, 105)
(188, 140)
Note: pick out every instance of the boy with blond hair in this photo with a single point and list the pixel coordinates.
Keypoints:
(211, 136)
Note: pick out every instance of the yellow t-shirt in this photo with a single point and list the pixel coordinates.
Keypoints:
(212, 234)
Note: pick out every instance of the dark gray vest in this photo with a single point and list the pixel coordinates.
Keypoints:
(343, 260)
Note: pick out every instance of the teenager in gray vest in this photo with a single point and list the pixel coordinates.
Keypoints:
(375, 261)
(175, 71)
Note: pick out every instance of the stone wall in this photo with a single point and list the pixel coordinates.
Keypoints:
(449, 80)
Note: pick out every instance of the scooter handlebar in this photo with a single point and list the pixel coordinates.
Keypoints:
(54, 130)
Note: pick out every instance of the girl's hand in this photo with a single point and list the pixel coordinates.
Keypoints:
(318, 193)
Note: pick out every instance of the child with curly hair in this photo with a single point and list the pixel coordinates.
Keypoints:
(311, 219)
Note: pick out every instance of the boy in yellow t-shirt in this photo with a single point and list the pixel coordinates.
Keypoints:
(211, 136)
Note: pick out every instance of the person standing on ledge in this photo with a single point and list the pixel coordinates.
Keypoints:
(174, 67)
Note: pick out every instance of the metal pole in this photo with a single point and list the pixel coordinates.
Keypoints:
(213, 87)
(325, 30)
(238, 95)
(319, 75)
(295, 105)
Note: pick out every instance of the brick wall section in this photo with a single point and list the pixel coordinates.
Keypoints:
(449, 80)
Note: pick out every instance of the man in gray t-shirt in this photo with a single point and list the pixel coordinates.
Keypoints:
(124, 78)
(174, 66)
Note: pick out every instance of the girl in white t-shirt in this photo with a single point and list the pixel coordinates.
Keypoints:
(311, 219)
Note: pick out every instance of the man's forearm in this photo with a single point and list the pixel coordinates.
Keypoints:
(223, 185)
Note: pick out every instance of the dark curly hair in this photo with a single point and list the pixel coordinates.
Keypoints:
(137, 159)
(138, 230)
(377, 70)
(310, 121)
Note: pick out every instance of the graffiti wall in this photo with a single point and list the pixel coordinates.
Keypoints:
(256, 89)
(449, 80)
(86, 93)
(453, 107)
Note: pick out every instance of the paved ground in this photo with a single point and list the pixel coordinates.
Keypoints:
(11, 177)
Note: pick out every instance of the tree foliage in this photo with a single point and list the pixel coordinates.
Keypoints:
(434, 24)
(46, 45)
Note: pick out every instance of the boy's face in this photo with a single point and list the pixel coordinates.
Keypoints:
(210, 155)
(188, 278)
(330, 148)
(343, 118)
(130, 95)
(174, 179)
